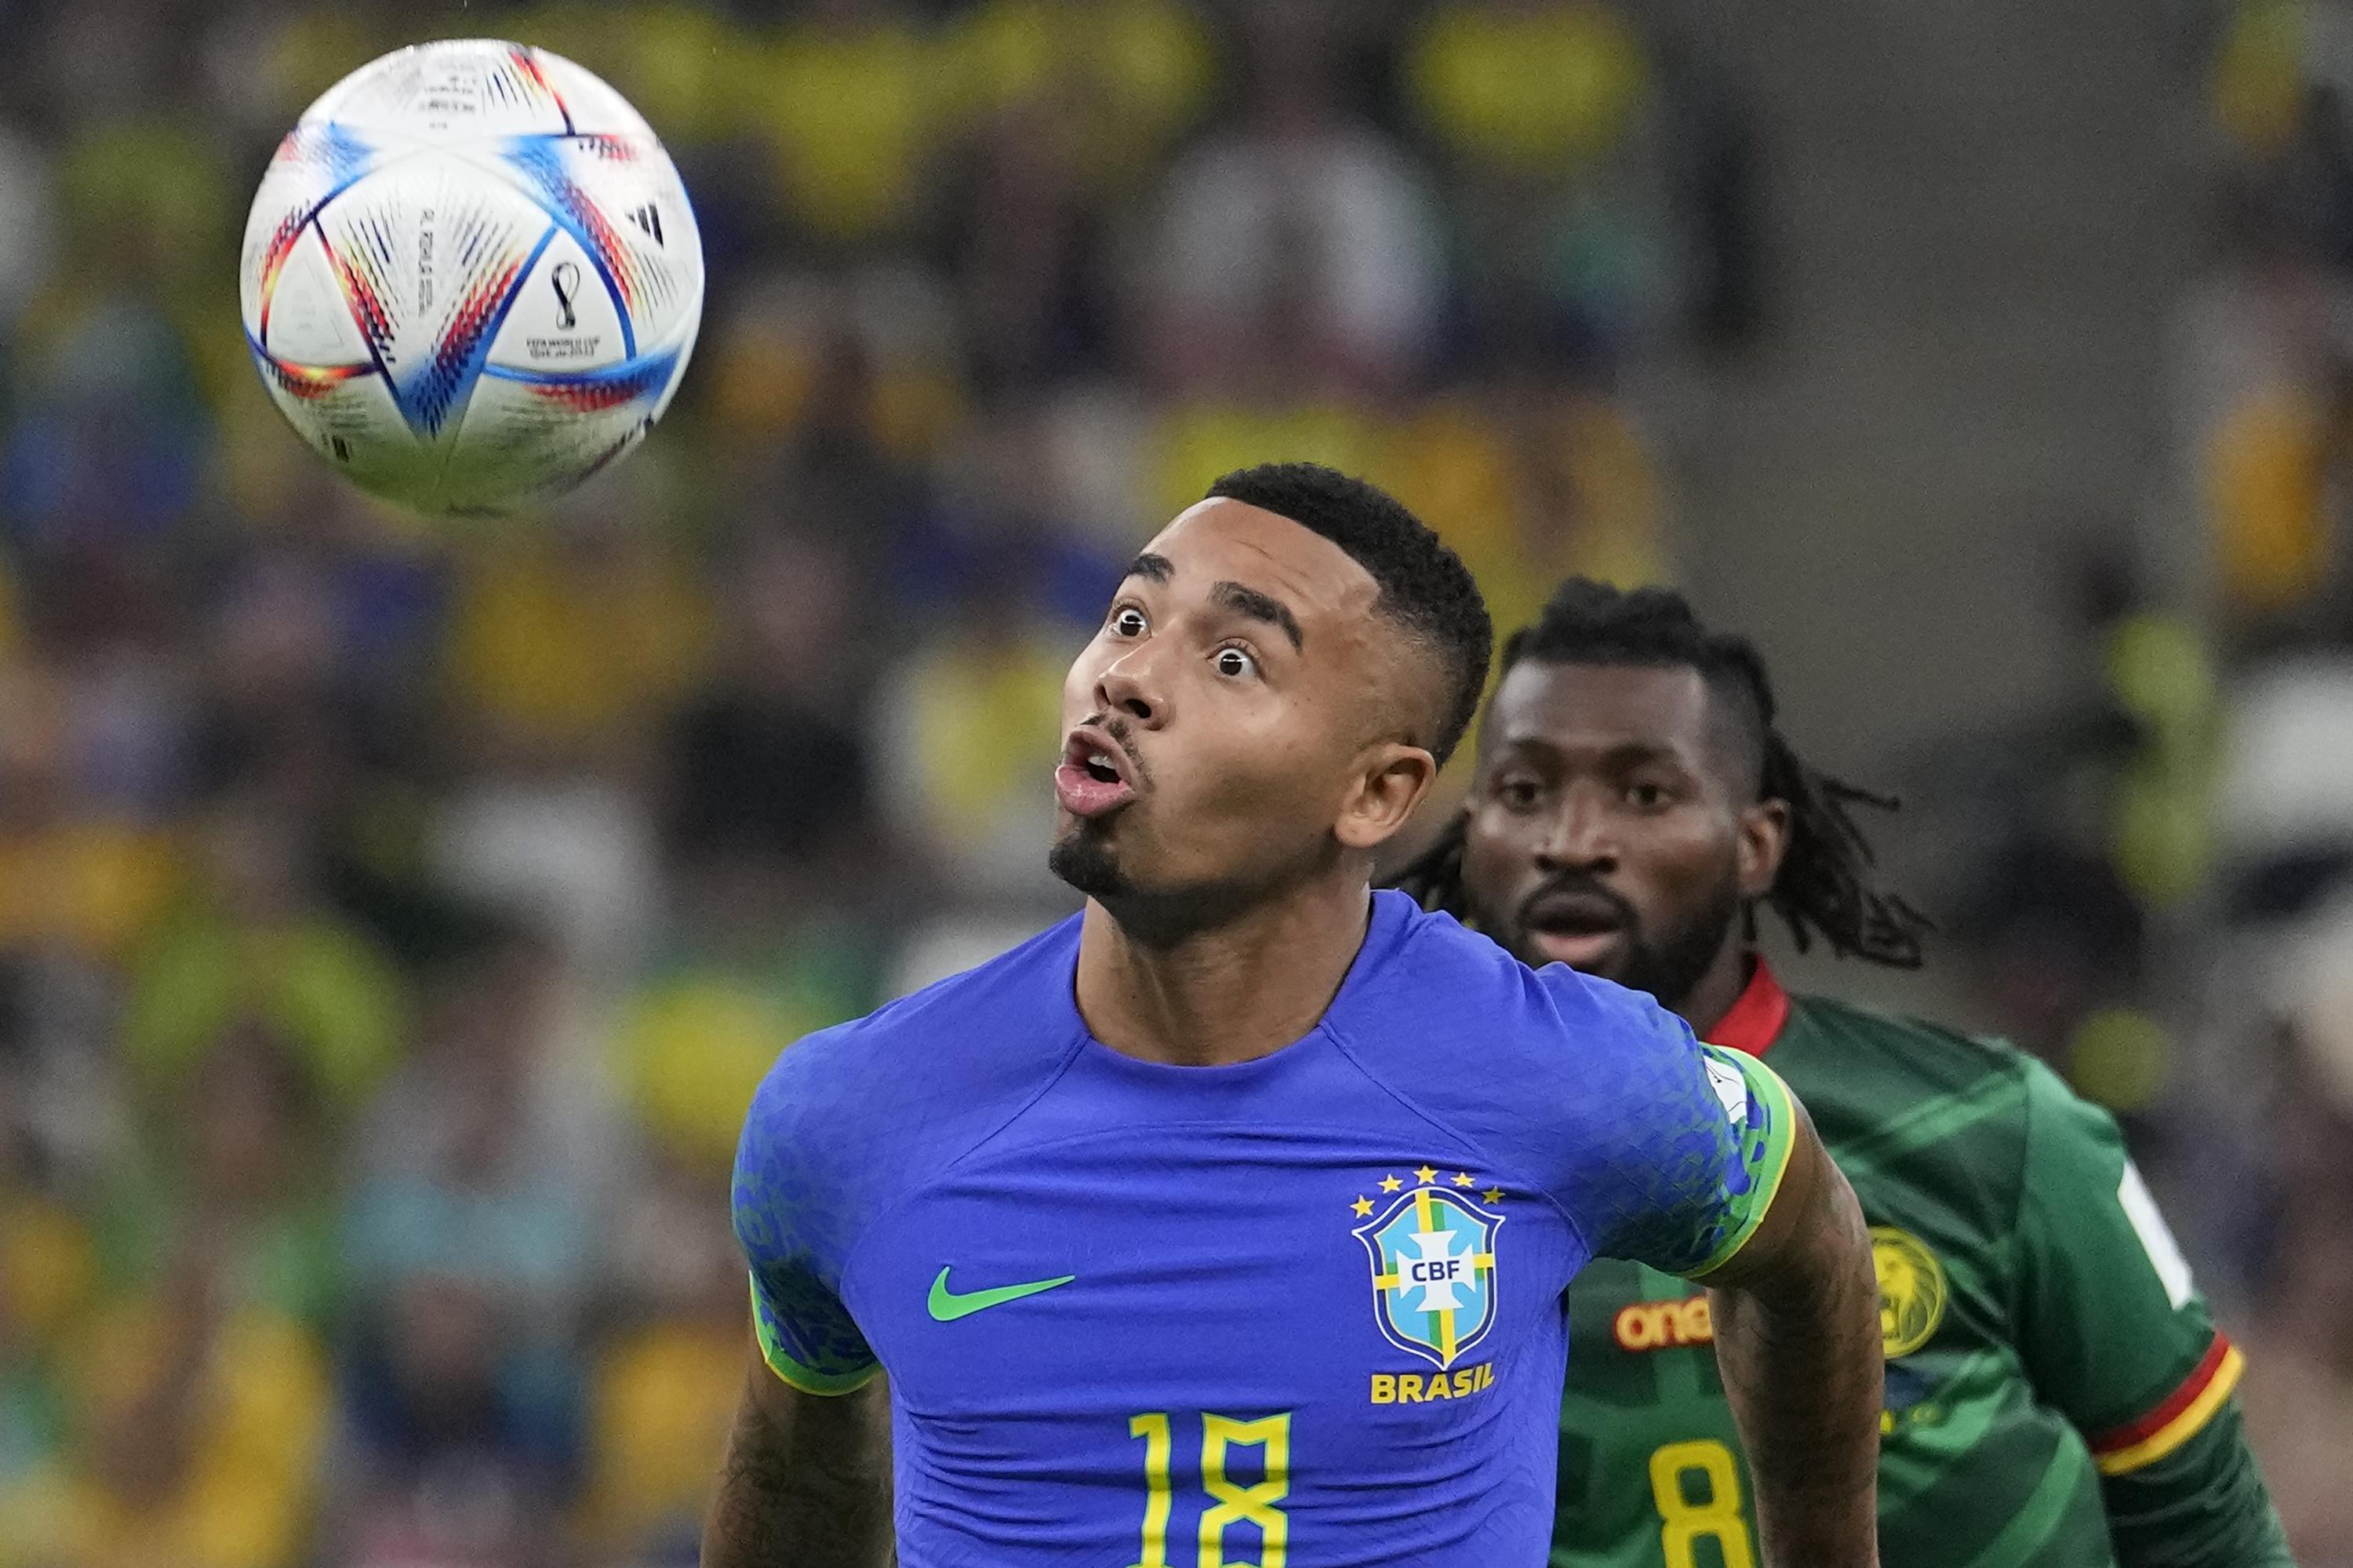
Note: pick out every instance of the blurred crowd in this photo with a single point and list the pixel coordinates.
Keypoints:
(2261, 406)
(395, 920)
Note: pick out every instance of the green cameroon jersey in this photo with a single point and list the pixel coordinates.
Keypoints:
(2056, 1394)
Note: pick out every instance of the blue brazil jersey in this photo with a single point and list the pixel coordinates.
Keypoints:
(1300, 1312)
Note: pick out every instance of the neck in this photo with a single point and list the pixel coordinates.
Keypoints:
(1726, 975)
(1241, 988)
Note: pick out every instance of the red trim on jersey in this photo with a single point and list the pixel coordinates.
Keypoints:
(2174, 1404)
(1754, 1022)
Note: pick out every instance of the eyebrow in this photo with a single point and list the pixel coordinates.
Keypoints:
(1257, 606)
(1622, 753)
(1239, 597)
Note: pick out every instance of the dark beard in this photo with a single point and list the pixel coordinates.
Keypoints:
(1671, 967)
(1154, 916)
(1667, 968)
(1086, 862)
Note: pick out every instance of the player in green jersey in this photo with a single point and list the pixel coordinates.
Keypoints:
(2056, 1392)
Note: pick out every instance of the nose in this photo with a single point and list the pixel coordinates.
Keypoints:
(1577, 836)
(1126, 686)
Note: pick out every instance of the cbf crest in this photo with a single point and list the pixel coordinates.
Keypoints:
(1433, 1261)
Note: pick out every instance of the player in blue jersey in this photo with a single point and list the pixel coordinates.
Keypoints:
(1228, 1222)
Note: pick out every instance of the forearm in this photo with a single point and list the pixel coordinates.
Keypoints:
(2201, 1506)
(807, 1482)
(1800, 1352)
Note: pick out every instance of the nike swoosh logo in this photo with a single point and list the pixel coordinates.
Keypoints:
(948, 1306)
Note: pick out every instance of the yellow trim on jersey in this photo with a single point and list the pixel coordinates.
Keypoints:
(791, 1373)
(1782, 1141)
(2182, 1428)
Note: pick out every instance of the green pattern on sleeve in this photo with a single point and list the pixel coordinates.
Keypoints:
(808, 1379)
(1765, 1118)
(2108, 1322)
(2111, 1325)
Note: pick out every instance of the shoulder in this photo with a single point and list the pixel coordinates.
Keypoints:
(1531, 1058)
(1437, 981)
(880, 1102)
(1903, 1055)
(1976, 1122)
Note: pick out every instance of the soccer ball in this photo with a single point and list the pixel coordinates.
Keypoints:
(471, 278)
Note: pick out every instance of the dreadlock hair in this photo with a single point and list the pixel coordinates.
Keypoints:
(1828, 883)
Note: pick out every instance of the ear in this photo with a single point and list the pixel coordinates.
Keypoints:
(1764, 841)
(1390, 780)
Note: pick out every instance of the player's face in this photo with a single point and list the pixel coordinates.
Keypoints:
(1606, 829)
(1226, 726)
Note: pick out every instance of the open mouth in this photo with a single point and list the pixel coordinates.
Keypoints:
(1095, 775)
(1580, 929)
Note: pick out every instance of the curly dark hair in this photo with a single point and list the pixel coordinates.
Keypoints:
(1425, 588)
(1828, 883)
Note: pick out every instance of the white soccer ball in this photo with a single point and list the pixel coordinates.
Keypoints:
(471, 277)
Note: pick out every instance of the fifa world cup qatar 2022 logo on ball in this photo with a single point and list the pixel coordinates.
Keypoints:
(470, 277)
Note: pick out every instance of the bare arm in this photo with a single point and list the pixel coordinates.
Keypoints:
(1797, 1337)
(808, 1479)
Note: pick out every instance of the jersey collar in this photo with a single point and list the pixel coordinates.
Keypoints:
(1754, 1021)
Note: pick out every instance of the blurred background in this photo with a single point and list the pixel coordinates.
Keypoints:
(393, 923)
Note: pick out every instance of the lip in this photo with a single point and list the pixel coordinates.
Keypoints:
(1079, 792)
(1586, 951)
(1599, 928)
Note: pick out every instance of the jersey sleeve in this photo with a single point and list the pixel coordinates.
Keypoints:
(2114, 1332)
(2200, 1505)
(795, 1226)
(1681, 1173)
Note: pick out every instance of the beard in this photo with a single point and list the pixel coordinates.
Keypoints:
(1160, 912)
(1666, 963)
(1083, 858)
(1669, 966)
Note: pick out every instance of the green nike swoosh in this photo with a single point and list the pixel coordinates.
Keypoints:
(948, 1306)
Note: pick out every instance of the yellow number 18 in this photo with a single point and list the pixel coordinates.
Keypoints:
(1232, 1503)
(1717, 1511)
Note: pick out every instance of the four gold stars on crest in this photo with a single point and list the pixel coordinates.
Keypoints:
(1426, 1175)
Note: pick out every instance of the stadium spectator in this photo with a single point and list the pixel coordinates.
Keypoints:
(459, 1446)
(842, 95)
(254, 936)
(767, 760)
(236, 1163)
(662, 1391)
(960, 724)
(199, 1422)
(1538, 104)
(1296, 234)
(478, 1161)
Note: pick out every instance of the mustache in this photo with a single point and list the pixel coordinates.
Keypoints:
(1122, 734)
(1575, 885)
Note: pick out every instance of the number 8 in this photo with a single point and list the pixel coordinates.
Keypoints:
(1717, 1514)
(1232, 1504)
(1245, 1505)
